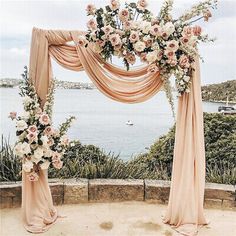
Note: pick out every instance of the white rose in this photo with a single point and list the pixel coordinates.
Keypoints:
(186, 78)
(139, 46)
(18, 150)
(38, 153)
(44, 139)
(45, 165)
(169, 28)
(146, 27)
(25, 115)
(47, 152)
(25, 148)
(151, 56)
(27, 166)
(21, 125)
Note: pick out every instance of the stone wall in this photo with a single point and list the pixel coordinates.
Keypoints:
(73, 191)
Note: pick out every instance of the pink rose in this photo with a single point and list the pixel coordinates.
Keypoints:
(44, 119)
(50, 142)
(153, 69)
(101, 43)
(32, 129)
(56, 155)
(142, 4)
(48, 130)
(33, 176)
(184, 61)
(127, 25)
(130, 58)
(159, 55)
(134, 37)
(32, 137)
(92, 24)
(107, 29)
(164, 35)
(115, 4)
(91, 9)
(115, 39)
(197, 30)
(124, 15)
(12, 115)
(155, 30)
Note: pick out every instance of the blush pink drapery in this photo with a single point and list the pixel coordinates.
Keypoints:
(185, 207)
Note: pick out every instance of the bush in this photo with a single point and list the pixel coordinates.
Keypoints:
(220, 145)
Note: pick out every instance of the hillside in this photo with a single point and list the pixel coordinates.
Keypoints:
(220, 92)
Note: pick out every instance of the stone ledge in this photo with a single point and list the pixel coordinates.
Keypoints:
(71, 191)
(107, 190)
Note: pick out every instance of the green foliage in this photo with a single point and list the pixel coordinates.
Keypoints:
(10, 166)
(220, 145)
(220, 92)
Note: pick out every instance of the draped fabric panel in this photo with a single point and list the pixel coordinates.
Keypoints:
(185, 206)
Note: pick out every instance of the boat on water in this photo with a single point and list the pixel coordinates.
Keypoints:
(130, 123)
(227, 110)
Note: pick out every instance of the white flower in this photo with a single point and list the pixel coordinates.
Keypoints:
(21, 125)
(169, 28)
(155, 46)
(186, 78)
(47, 152)
(38, 154)
(25, 148)
(44, 139)
(139, 46)
(25, 115)
(146, 27)
(151, 56)
(18, 150)
(27, 166)
(27, 100)
(45, 165)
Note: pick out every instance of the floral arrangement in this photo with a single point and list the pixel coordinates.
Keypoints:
(168, 45)
(39, 145)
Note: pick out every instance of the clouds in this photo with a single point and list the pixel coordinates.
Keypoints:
(19, 17)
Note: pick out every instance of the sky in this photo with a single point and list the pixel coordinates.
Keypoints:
(19, 17)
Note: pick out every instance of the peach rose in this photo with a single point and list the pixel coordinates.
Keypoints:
(130, 58)
(44, 119)
(184, 40)
(92, 24)
(12, 115)
(197, 30)
(32, 137)
(143, 56)
(153, 69)
(207, 14)
(155, 30)
(172, 61)
(124, 15)
(107, 29)
(32, 129)
(184, 61)
(127, 25)
(115, 4)
(48, 130)
(169, 53)
(81, 41)
(115, 39)
(187, 31)
(172, 45)
(91, 9)
(57, 164)
(142, 4)
(134, 37)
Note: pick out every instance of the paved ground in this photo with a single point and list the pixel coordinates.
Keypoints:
(116, 219)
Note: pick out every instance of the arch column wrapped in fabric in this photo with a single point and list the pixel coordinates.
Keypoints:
(185, 205)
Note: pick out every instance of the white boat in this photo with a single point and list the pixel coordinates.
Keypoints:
(129, 123)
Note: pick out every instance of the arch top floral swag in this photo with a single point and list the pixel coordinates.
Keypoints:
(168, 45)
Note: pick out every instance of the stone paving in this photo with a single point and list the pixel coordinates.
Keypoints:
(116, 219)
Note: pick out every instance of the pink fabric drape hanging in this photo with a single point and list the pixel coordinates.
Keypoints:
(187, 187)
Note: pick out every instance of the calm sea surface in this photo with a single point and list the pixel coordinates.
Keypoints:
(101, 121)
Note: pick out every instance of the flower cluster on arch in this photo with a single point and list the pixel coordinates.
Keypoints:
(168, 45)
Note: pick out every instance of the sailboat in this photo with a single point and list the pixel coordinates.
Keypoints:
(227, 110)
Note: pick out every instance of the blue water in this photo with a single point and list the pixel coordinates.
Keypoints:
(102, 121)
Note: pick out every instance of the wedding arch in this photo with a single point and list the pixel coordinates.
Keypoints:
(185, 206)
